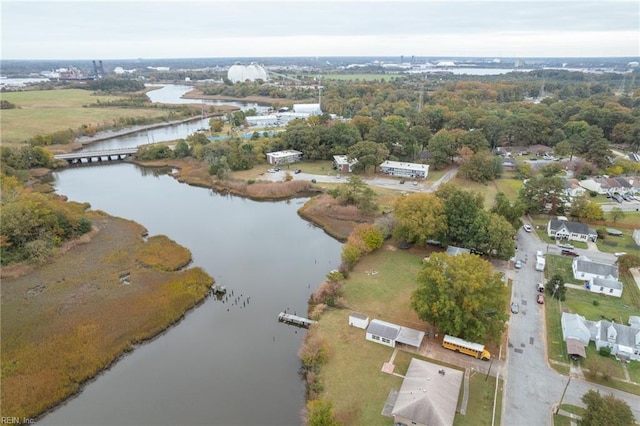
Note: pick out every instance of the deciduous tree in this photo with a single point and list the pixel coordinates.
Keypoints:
(419, 217)
(605, 410)
(462, 296)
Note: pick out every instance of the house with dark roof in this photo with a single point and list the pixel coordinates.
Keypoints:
(574, 231)
(428, 395)
(585, 270)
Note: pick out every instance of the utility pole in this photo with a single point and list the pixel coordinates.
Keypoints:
(562, 397)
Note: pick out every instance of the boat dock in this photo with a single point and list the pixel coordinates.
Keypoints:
(295, 320)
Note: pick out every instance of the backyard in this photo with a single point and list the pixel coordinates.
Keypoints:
(380, 286)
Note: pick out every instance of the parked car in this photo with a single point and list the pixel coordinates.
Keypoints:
(569, 253)
(415, 183)
(619, 253)
(566, 246)
(298, 171)
(518, 264)
(540, 298)
(514, 308)
(402, 182)
(527, 228)
(272, 170)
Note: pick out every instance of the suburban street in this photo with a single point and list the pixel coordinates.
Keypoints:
(531, 386)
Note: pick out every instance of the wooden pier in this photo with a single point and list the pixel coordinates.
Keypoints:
(295, 320)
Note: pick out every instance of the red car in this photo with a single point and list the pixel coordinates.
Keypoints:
(540, 299)
(570, 253)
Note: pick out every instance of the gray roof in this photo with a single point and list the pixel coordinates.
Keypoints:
(383, 329)
(454, 251)
(427, 396)
(624, 183)
(572, 227)
(601, 282)
(409, 336)
(589, 267)
(612, 231)
(358, 315)
(625, 335)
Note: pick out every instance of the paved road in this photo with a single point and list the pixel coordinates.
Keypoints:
(532, 387)
(410, 185)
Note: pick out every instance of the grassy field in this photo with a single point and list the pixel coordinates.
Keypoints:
(509, 186)
(633, 368)
(41, 112)
(380, 286)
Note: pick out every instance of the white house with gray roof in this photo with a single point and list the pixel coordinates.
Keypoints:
(389, 334)
(624, 340)
(607, 287)
(575, 326)
(585, 270)
(573, 231)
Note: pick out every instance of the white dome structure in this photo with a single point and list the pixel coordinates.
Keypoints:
(240, 73)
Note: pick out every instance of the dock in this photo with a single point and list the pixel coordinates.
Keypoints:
(295, 320)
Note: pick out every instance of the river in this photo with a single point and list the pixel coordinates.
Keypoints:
(225, 363)
(168, 94)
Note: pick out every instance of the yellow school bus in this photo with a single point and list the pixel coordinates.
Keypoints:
(476, 350)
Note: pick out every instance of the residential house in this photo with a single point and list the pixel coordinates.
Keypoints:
(428, 395)
(574, 326)
(572, 187)
(343, 164)
(574, 231)
(585, 270)
(608, 185)
(608, 287)
(283, 157)
(389, 334)
(624, 340)
(408, 170)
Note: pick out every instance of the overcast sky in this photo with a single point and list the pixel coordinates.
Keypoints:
(235, 28)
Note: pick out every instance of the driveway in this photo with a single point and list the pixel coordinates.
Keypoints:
(531, 386)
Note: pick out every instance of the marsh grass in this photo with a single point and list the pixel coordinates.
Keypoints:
(65, 322)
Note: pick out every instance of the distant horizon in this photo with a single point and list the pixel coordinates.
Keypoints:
(322, 57)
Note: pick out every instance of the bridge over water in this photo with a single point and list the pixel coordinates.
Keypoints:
(97, 156)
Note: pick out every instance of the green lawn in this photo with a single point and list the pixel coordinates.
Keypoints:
(633, 368)
(614, 365)
(556, 347)
(480, 405)
(41, 112)
(624, 243)
(558, 264)
(380, 286)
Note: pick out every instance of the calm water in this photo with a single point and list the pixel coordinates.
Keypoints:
(225, 363)
(168, 94)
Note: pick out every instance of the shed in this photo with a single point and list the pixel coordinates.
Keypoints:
(383, 332)
(358, 320)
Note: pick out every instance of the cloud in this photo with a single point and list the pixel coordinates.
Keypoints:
(119, 29)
